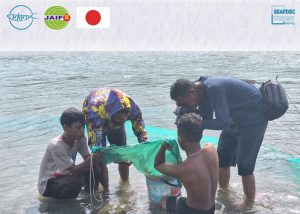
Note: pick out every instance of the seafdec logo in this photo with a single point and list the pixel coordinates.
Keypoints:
(21, 17)
(56, 17)
(282, 15)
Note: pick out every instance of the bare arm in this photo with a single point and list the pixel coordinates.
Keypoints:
(218, 100)
(85, 165)
(163, 167)
(138, 127)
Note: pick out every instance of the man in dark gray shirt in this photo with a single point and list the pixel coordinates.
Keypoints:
(235, 107)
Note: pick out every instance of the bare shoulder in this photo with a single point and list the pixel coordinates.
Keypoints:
(184, 167)
(209, 148)
(210, 151)
(55, 142)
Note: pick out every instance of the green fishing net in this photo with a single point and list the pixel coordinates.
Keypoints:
(142, 156)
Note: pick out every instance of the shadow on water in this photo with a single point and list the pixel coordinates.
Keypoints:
(48, 205)
(229, 201)
(121, 199)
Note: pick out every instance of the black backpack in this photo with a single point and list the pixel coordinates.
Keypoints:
(275, 101)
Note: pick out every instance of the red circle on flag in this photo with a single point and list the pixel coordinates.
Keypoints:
(93, 17)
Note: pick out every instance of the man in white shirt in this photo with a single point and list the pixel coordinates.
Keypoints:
(59, 177)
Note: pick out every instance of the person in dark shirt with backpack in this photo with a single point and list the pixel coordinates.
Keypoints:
(235, 107)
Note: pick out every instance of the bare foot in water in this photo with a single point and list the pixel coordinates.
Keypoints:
(245, 205)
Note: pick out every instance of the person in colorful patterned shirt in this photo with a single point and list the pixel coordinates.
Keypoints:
(106, 110)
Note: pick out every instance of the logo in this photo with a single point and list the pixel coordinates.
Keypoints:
(282, 16)
(56, 17)
(21, 17)
(93, 17)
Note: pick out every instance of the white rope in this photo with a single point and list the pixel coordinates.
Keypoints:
(294, 103)
(289, 97)
(92, 190)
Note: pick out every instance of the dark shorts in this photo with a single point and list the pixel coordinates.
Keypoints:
(117, 136)
(114, 136)
(68, 187)
(240, 146)
(178, 205)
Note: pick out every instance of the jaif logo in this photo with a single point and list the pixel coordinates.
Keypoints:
(21, 17)
(282, 15)
(56, 17)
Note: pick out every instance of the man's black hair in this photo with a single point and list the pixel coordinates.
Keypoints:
(70, 116)
(190, 125)
(180, 87)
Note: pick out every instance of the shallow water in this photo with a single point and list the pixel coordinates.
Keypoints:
(37, 87)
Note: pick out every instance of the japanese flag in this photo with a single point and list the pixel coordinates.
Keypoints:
(93, 17)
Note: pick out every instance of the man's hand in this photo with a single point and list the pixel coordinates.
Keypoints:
(160, 157)
(166, 146)
(163, 167)
(84, 166)
(97, 157)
